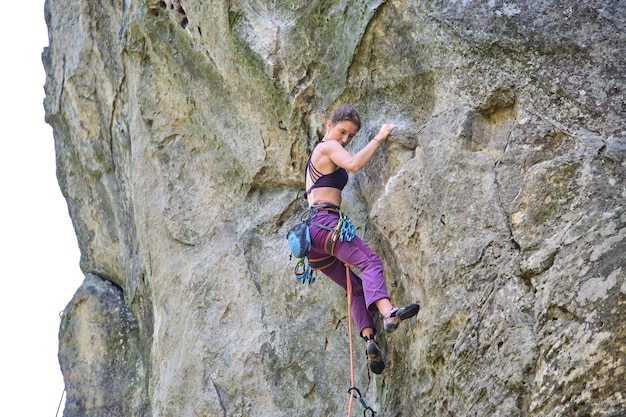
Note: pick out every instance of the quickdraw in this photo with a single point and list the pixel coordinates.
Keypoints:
(302, 271)
(366, 407)
(345, 229)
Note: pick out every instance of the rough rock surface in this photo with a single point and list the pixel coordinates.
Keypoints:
(181, 131)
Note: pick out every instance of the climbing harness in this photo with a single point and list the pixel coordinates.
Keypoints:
(344, 231)
(352, 386)
(299, 241)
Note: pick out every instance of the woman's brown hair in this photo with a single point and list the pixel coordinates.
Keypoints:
(346, 112)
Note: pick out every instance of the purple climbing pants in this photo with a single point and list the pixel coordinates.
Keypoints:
(365, 290)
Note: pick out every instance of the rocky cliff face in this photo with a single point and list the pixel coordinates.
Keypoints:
(182, 128)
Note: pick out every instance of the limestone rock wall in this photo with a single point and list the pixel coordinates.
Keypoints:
(181, 131)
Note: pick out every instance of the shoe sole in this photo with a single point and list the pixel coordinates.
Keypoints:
(408, 311)
(403, 313)
(377, 367)
(372, 353)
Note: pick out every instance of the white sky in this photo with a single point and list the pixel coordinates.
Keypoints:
(39, 257)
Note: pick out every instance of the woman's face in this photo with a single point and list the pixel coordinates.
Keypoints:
(343, 131)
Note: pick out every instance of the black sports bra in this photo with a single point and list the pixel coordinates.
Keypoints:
(336, 179)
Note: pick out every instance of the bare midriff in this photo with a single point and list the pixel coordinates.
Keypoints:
(325, 195)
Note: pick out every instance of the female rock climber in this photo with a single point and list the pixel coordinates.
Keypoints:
(326, 175)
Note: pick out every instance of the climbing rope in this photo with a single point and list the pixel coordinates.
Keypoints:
(349, 293)
(60, 402)
(352, 386)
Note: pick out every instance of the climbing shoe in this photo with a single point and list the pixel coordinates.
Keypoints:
(398, 314)
(374, 355)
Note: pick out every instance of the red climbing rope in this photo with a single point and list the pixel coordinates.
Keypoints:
(349, 293)
(353, 390)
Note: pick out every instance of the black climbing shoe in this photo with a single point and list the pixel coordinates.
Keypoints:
(398, 314)
(374, 355)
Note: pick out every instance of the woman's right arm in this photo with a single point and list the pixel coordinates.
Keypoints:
(341, 157)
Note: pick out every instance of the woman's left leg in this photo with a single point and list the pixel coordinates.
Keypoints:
(356, 253)
(361, 315)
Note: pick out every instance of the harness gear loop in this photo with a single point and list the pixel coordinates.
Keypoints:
(352, 387)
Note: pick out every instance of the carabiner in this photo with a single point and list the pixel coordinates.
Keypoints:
(365, 406)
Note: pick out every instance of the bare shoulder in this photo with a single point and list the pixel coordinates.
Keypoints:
(329, 147)
(322, 159)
